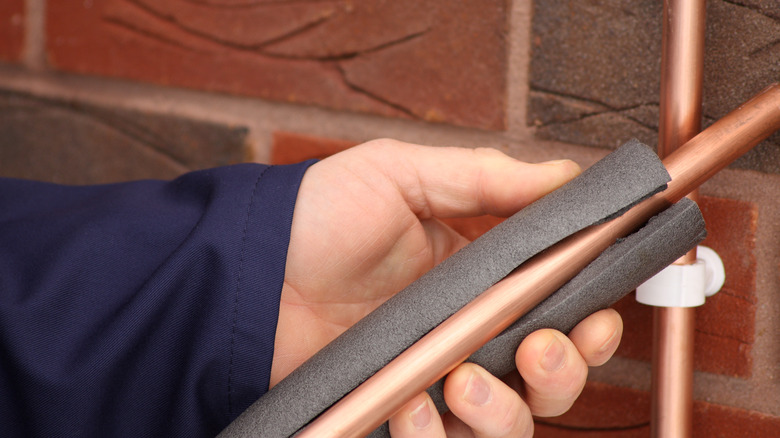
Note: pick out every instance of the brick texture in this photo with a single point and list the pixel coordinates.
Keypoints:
(596, 65)
(76, 143)
(607, 411)
(434, 60)
(602, 410)
(290, 148)
(11, 30)
(725, 324)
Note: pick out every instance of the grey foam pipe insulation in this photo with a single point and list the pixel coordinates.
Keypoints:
(617, 271)
(625, 177)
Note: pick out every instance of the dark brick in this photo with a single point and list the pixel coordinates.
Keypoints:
(434, 60)
(602, 55)
(742, 58)
(11, 29)
(596, 65)
(76, 143)
(766, 7)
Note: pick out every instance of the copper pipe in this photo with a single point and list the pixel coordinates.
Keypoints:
(682, 66)
(672, 384)
(446, 346)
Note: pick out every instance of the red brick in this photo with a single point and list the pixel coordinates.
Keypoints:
(611, 411)
(434, 60)
(637, 329)
(725, 325)
(732, 228)
(289, 148)
(717, 421)
(11, 30)
(614, 408)
(543, 430)
(721, 355)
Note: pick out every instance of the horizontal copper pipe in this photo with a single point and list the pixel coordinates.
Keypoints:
(449, 344)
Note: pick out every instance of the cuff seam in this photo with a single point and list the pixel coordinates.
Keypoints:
(238, 289)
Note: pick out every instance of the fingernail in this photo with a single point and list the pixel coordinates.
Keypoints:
(477, 390)
(554, 355)
(421, 416)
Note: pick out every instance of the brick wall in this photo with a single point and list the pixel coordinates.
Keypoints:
(11, 30)
(109, 90)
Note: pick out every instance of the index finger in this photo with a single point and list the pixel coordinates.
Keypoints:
(460, 182)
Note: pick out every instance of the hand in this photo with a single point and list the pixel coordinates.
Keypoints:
(552, 372)
(366, 225)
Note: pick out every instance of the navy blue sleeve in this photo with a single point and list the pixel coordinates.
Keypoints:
(140, 309)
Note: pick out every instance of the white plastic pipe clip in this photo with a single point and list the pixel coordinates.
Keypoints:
(684, 285)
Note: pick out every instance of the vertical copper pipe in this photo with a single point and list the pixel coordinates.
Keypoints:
(672, 386)
(682, 61)
(444, 347)
(682, 65)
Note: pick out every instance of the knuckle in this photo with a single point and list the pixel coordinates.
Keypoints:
(382, 144)
(514, 420)
(488, 152)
